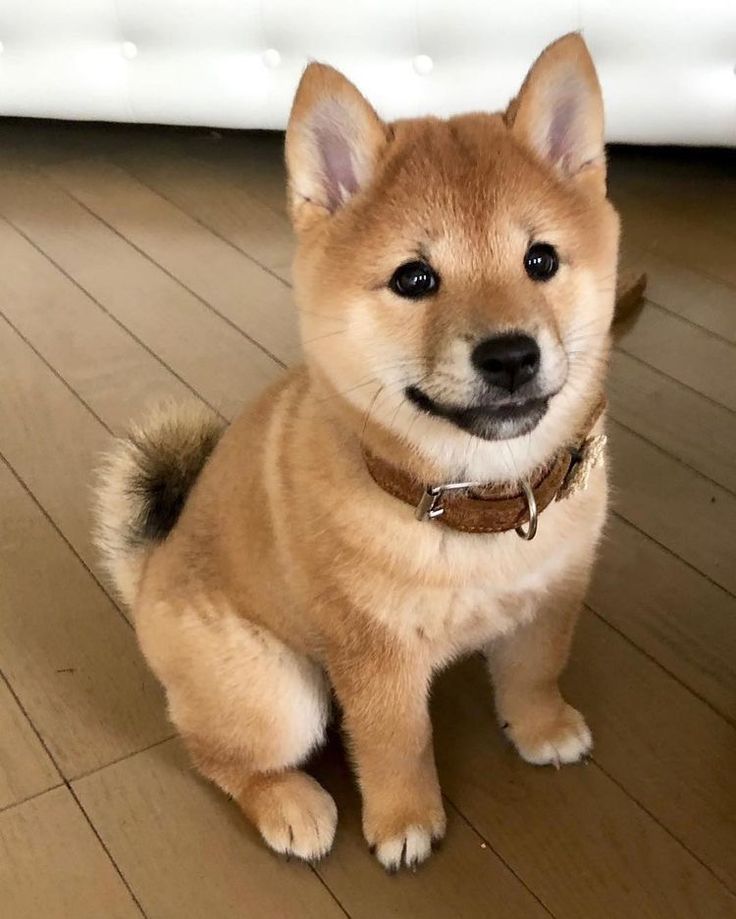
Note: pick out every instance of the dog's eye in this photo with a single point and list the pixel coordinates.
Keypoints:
(541, 261)
(414, 280)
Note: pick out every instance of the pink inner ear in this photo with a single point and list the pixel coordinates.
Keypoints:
(561, 138)
(340, 179)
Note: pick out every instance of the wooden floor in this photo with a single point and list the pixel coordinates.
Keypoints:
(140, 262)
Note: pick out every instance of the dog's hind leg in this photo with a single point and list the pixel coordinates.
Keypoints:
(250, 711)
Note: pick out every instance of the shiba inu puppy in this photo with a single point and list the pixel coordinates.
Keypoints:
(371, 517)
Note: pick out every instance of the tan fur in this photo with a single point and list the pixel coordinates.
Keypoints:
(175, 433)
(290, 571)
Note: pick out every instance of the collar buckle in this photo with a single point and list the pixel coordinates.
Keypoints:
(430, 504)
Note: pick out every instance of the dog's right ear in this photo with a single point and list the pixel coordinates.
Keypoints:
(559, 113)
(333, 141)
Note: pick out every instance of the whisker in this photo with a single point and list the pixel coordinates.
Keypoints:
(344, 392)
(386, 389)
(309, 341)
(321, 315)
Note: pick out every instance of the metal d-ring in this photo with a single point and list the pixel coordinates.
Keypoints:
(531, 502)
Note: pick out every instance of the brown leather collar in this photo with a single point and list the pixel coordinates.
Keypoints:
(473, 508)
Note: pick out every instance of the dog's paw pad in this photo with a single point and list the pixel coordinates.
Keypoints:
(564, 738)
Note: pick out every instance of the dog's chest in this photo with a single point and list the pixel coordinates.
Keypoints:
(450, 593)
(476, 597)
(453, 621)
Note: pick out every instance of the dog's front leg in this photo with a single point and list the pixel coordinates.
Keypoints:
(525, 666)
(384, 696)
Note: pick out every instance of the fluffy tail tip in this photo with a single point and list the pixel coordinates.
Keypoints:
(143, 483)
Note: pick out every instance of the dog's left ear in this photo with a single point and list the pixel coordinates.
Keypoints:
(559, 112)
(333, 141)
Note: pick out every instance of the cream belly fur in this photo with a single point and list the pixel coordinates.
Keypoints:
(455, 281)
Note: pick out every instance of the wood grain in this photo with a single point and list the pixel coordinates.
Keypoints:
(664, 231)
(254, 161)
(674, 181)
(97, 358)
(686, 513)
(168, 831)
(654, 738)
(674, 417)
(684, 621)
(463, 878)
(702, 300)
(255, 301)
(574, 836)
(25, 767)
(234, 212)
(215, 358)
(48, 435)
(65, 650)
(53, 867)
(697, 358)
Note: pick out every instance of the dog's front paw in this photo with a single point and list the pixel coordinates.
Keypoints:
(405, 840)
(556, 737)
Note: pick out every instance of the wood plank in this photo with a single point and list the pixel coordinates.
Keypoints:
(690, 515)
(669, 751)
(215, 358)
(460, 880)
(65, 650)
(573, 835)
(685, 352)
(98, 358)
(647, 225)
(232, 211)
(249, 297)
(674, 180)
(253, 160)
(33, 141)
(186, 851)
(43, 419)
(25, 767)
(52, 866)
(683, 423)
(165, 804)
(694, 296)
(684, 621)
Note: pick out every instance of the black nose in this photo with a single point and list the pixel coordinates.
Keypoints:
(507, 361)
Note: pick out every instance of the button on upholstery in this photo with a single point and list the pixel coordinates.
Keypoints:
(423, 64)
(129, 50)
(271, 58)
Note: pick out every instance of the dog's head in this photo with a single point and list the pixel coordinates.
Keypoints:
(456, 278)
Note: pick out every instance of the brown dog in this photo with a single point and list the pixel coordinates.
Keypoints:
(456, 287)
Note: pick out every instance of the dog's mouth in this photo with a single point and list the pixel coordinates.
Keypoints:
(488, 421)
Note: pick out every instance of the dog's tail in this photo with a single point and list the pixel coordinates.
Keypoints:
(143, 483)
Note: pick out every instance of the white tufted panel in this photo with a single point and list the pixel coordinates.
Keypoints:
(668, 67)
